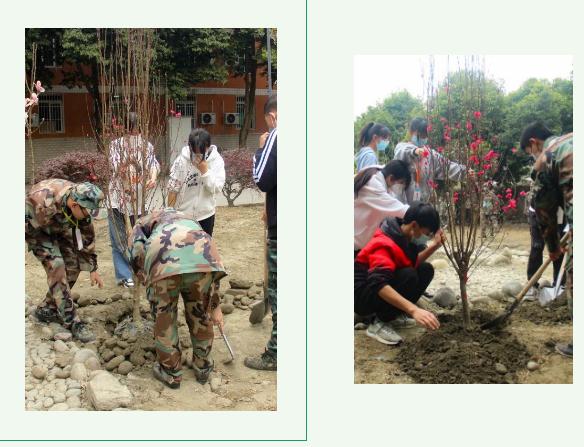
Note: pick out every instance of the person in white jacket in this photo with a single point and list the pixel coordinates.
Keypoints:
(197, 174)
(376, 189)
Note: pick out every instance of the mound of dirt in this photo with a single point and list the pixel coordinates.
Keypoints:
(453, 355)
(556, 313)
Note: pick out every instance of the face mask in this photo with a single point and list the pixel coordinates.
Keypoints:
(422, 240)
(419, 142)
(382, 145)
(397, 190)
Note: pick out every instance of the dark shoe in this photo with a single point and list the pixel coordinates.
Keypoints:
(81, 332)
(264, 362)
(47, 315)
(169, 380)
(127, 283)
(202, 374)
(565, 349)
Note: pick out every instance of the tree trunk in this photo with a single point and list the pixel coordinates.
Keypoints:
(230, 202)
(93, 90)
(251, 67)
(464, 297)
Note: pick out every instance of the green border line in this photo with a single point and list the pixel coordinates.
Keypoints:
(305, 301)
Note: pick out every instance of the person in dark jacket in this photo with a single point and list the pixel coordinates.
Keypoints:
(391, 273)
(264, 175)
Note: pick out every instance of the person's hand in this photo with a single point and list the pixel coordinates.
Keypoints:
(439, 238)
(203, 167)
(217, 317)
(96, 279)
(555, 255)
(263, 138)
(151, 184)
(426, 319)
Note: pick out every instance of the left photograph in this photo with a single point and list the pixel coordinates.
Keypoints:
(150, 219)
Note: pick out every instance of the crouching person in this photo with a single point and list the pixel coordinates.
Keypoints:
(173, 256)
(391, 273)
(59, 232)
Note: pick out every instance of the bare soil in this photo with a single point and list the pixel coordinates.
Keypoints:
(239, 236)
(452, 355)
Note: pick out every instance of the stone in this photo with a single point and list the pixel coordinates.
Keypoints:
(125, 367)
(496, 295)
(137, 358)
(235, 292)
(84, 301)
(59, 407)
(78, 372)
(73, 402)
(74, 384)
(236, 283)
(498, 260)
(46, 333)
(115, 362)
(532, 366)
(512, 288)
(83, 354)
(62, 373)
(28, 387)
(107, 355)
(127, 295)
(48, 402)
(116, 297)
(92, 364)
(118, 351)
(439, 264)
(228, 299)
(259, 283)
(63, 359)
(123, 344)
(111, 342)
(544, 283)
(63, 336)
(32, 394)
(60, 346)
(227, 308)
(507, 253)
(445, 297)
(73, 392)
(500, 368)
(215, 383)
(59, 397)
(39, 372)
(105, 392)
(75, 296)
(245, 301)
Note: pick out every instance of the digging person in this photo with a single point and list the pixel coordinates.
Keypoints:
(553, 189)
(59, 232)
(173, 256)
(391, 273)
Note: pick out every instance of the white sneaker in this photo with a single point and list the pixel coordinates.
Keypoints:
(403, 321)
(383, 333)
(531, 294)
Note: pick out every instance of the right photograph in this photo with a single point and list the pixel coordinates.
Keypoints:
(463, 219)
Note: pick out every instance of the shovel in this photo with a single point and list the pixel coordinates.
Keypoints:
(501, 319)
(229, 360)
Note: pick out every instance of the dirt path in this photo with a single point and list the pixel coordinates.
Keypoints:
(239, 235)
(532, 328)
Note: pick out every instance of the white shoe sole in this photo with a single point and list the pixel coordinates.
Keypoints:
(383, 340)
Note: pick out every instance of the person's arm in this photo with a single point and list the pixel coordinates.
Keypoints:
(441, 164)
(547, 198)
(376, 197)
(422, 317)
(153, 167)
(175, 179)
(265, 164)
(367, 160)
(214, 179)
(436, 243)
(137, 243)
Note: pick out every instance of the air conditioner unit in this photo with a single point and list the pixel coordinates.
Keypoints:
(231, 118)
(207, 118)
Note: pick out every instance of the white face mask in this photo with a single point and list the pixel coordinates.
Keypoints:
(397, 189)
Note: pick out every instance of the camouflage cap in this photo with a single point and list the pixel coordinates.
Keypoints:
(87, 195)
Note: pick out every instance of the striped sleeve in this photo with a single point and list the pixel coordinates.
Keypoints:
(265, 163)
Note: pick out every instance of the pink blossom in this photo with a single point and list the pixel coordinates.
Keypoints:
(512, 203)
(425, 152)
(486, 167)
(473, 159)
(514, 150)
(490, 155)
(509, 196)
(481, 173)
(172, 112)
(442, 120)
(432, 184)
(446, 138)
(508, 190)
(474, 146)
(429, 128)
(500, 196)
(34, 98)
(522, 193)
(39, 87)
(468, 126)
(440, 149)
(477, 115)
(178, 114)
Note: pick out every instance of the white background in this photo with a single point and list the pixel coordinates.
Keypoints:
(340, 413)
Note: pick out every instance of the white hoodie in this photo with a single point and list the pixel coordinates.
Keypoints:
(196, 192)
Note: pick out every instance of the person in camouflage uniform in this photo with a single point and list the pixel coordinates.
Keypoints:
(553, 188)
(490, 210)
(172, 256)
(59, 232)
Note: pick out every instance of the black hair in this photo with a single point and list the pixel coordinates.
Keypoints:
(398, 169)
(420, 126)
(271, 104)
(199, 140)
(370, 130)
(424, 214)
(538, 130)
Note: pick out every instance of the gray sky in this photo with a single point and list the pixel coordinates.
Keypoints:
(377, 77)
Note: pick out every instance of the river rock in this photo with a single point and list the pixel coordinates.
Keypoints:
(445, 297)
(105, 392)
(61, 373)
(512, 288)
(507, 253)
(498, 260)
(215, 383)
(245, 301)
(500, 368)
(46, 333)
(116, 297)
(228, 299)
(496, 295)
(48, 402)
(110, 342)
(63, 359)
(63, 336)
(439, 264)
(107, 355)
(73, 402)
(123, 344)
(91, 364)
(78, 372)
(137, 357)
(73, 392)
(59, 407)
(227, 308)
(114, 363)
(532, 366)
(83, 354)
(59, 397)
(125, 367)
(236, 292)
(60, 346)
(39, 371)
(236, 283)
(84, 301)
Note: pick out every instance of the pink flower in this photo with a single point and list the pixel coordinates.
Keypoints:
(499, 196)
(514, 150)
(458, 125)
(440, 149)
(425, 152)
(446, 138)
(468, 126)
(473, 159)
(474, 146)
(172, 112)
(442, 120)
(506, 209)
(508, 196)
(429, 128)
(481, 173)
(432, 184)
(508, 190)
(455, 197)
(477, 115)
(486, 167)
(490, 155)
(512, 203)
(34, 98)
(522, 193)
(178, 114)
(39, 87)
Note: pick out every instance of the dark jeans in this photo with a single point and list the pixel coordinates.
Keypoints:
(536, 251)
(408, 282)
(208, 224)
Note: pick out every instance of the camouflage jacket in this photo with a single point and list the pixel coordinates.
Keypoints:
(553, 186)
(166, 243)
(44, 219)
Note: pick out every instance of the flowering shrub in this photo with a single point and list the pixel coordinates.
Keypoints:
(238, 173)
(76, 167)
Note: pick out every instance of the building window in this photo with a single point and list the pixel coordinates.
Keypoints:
(240, 108)
(51, 114)
(188, 107)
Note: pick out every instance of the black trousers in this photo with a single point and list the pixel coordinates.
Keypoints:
(409, 283)
(208, 224)
(536, 252)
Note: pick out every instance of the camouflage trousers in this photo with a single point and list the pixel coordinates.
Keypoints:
(196, 290)
(62, 265)
(272, 346)
(570, 273)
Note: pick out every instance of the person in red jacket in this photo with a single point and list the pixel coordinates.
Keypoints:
(391, 273)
